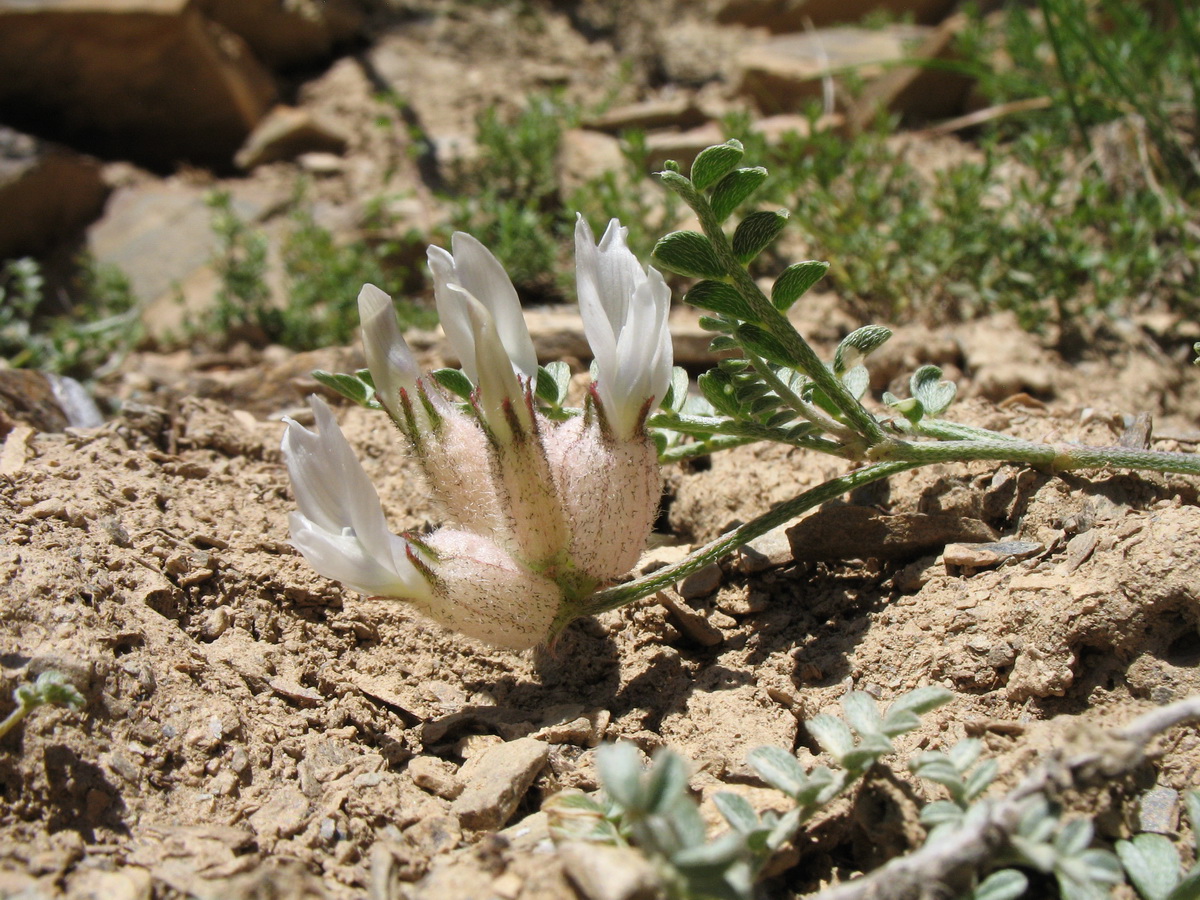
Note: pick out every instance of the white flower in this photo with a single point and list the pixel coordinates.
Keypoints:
(459, 579)
(391, 362)
(472, 271)
(624, 309)
(540, 513)
(340, 527)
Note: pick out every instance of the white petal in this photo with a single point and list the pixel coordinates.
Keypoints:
(391, 362)
(484, 278)
(498, 384)
(598, 328)
(331, 488)
(343, 558)
(452, 311)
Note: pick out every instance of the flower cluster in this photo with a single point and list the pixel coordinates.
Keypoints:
(539, 513)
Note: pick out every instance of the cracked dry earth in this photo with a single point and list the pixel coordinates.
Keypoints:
(251, 730)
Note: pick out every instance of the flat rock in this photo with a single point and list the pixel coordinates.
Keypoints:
(860, 532)
(130, 236)
(290, 33)
(987, 555)
(672, 112)
(496, 780)
(701, 583)
(48, 194)
(285, 133)
(919, 92)
(693, 624)
(782, 73)
(148, 80)
(601, 872)
(788, 15)
(769, 551)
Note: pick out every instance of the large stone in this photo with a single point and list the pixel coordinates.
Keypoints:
(783, 73)
(148, 80)
(797, 15)
(160, 234)
(287, 132)
(47, 193)
(289, 33)
(496, 780)
(919, 93)
(841, 532)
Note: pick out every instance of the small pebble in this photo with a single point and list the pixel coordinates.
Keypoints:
(988, 555)
(1158, 810)
(702, 583)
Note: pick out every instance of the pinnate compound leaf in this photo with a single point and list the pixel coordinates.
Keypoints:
(978, 781)
(352, 387)
(935, 395)
(711, 323)
(832, 734)
(1074, 837)
(688, 253)
(723, 344)
(862, 712)
(778, 768)
(1152, 864)
(763, 343)
(733, 189)
(737, 811)
(667, 782)
(795, 280)
(937, 767)
(574, 815)
(553, 379)
(865, 754)
(902, 714)
(715, 162)
(717, 388)
(858, 345)
(940, 812)
(1007, 884)
(455, 381)
(620, 769)
(718, 297)
(756, 231)
(965, 753)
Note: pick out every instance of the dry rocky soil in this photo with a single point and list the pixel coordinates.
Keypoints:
(251, 730)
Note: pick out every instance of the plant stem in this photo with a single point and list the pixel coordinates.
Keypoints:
(1056, 457)
(807, 410)
(621, 594)
(14, 719)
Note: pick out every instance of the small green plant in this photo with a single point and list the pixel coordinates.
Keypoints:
(985, 843)
(1153, 864)
(99, 327)
(652, 810)
(318, 310)
(508, 196)
(50, 688)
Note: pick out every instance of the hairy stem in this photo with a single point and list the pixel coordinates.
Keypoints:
(14, 718)
(1056, 457)
(621, 594)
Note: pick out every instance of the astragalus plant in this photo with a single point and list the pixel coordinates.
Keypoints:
(548, 507)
